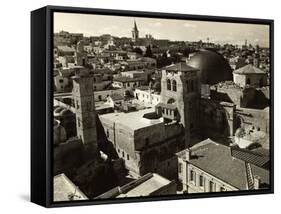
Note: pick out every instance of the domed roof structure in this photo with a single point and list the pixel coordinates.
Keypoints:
(214, 68)
(57, 111)
(59, 132)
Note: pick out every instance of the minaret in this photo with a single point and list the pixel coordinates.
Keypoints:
(135, 32)
(208, 41)
(257, 57)
(84, 103)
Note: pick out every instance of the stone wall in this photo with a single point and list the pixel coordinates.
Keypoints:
(244, 97)
(102, 95)
(255, 80)
(195, 187)
(214, 119)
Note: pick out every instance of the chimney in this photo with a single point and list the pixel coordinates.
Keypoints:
(187, 154)
(257, 182)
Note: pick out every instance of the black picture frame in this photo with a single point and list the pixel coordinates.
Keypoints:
(42, 103)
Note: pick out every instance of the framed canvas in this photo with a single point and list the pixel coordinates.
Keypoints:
(134, 106)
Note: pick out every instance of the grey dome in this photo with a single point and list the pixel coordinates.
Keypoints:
(213, 67)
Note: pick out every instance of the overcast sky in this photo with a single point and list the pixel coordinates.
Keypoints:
(183, 30)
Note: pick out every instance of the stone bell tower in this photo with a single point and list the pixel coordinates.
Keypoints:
(135, 32)
(84, 102)
(180, 89)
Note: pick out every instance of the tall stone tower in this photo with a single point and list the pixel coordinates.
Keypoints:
(84, 103)
(135, 32)
(180, 89)
(256, 61)
(80, 56)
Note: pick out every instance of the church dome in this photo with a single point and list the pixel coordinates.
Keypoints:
(57, 111)
(213, 67)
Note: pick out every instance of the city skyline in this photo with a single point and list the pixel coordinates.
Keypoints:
(179, 30)
(134, 121)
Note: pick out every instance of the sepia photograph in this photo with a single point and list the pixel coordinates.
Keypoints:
(152, 107)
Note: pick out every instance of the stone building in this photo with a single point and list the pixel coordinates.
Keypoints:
(147, 95)
(80, 56)
(144, 141)
(217, 118)
(250, 75)
(127, 83)
(101, 82)
(65, 189)
(61, 81)
(136, 74)
(59, 132)
(150, 184)
(84, 103)
(63, 50)
(212, 167)
(65, 118)
(148, 139)
(180, 93)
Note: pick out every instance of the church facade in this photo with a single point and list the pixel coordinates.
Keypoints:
(148, 139)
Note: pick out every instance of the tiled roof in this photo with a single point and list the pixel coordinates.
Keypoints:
(181, 66)
(249, 69)
(217, 160)
(66, 49)
(127, 79)
(250, 157)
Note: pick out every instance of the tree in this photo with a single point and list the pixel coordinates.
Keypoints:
(164, 55)
(138, 50)
(186, 52)
(148, 52)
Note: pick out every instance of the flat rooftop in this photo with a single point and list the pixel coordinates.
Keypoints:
(132, 120)
(65, 190)
(154, 183)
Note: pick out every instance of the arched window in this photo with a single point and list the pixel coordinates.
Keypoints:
(171, 100)
(174, 85)
(168, 84)
(248, 81)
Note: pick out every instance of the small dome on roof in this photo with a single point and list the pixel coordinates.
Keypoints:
(59, 132)
(58, 110)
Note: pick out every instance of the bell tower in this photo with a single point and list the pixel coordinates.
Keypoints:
(256, 61)
(135, 32)
(180, 89)
(84, 103)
